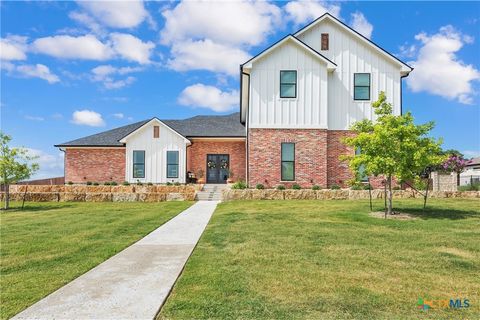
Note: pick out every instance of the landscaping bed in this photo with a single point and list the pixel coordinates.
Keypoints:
(47, 245)
(331, 260)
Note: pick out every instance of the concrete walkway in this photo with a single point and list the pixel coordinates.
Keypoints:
(134, 283)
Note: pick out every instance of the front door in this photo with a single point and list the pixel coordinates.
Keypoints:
(217, 168)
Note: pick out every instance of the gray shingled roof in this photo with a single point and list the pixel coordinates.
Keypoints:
(199, 126)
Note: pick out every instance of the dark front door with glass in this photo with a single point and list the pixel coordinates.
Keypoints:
(217, 168)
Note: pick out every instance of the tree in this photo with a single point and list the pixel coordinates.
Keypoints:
(14, 165)
(391, 146)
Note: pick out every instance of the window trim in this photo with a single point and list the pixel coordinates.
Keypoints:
(172, 164)
(289, 83)
(369, 86)
(138, 163)
(289, 161)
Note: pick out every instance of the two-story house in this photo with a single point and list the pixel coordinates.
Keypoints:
(298, 99)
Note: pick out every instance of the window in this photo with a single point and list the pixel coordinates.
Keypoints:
(324, 41)
(288, 84)
(363, 177)
(288, 162)
(172, 164)
(156, 131)
(139, 164)
(361, 86)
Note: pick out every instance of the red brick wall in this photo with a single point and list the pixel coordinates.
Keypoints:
(95, 165)
(197, 156)
(310, 156)
(338, 171)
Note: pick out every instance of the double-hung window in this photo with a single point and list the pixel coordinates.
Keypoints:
(288, 84)
(172, 164)
(288, 162)
(361, 171)
(361, 89)
(139, 164)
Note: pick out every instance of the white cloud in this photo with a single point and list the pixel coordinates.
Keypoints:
(203, 96)
(13, 48)
(87, 20)
(119, 115)
(439, 71)
(206, 55)
(87, 118)
(302, 11)
(51, 166)
(407, 51)
(229, 22)
(132, 48)
(34, 118)
(86, 47)
(360, 24)
(36, 71)
(116, 14)
(106, 74)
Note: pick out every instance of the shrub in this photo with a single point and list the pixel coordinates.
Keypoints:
(357, 186)
(113, 183)
(397, 188)
(316, 188)
(367, 186)
(335, 187)
(280, 187)
(470, 187)
(126, 183)
(177, 183)
(296, 187)
(150, 184)
(106, 183)
(239, 185)
(169, 183)
(96, 184)
(139, 183)
(89, 183)
(70, 182)
(260, 186)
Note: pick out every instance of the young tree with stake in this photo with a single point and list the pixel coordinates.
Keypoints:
(392, 146)
(14, 165)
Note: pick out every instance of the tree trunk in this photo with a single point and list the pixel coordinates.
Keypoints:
(425, 197)
(385, 197)
(7, 196)
(390, 195)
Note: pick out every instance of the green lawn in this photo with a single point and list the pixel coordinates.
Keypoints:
(47, 245)
(331, 260)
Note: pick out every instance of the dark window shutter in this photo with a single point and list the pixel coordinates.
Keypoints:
(324, 41)
(156, 131)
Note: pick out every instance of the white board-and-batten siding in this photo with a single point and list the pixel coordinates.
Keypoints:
(155, 153)
(307, 110)
(324, 99)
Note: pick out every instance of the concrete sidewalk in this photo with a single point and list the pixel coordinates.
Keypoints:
(134, 283)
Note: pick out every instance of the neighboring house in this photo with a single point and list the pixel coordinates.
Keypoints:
(471, 172)
(298, 99)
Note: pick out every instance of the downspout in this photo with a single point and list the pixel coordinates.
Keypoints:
(64, 167)
(247, 147)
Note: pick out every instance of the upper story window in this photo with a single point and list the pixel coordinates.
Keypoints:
(156, 131)
(288, 162)
(172, 164)
(361, 90)
(139, 164)
(288, 84)
(324, 41)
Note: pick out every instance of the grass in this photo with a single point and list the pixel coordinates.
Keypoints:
(331, 260)
(47, 245)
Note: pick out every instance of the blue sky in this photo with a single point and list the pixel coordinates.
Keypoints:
(70, 69)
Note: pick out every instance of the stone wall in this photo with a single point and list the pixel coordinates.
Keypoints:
(326, 194)
(102, 193)
(95, 165)
(444, 181)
